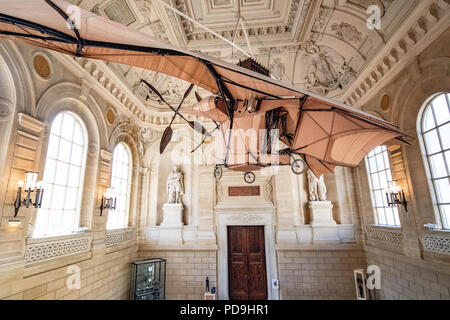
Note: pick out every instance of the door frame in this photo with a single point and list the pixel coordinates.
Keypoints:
(247, 217)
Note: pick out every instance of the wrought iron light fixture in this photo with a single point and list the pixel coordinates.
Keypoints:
(108, 201)
(395, 195)
(30, 187)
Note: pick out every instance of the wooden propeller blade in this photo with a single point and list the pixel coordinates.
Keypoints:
(165, 139)
(186, 94)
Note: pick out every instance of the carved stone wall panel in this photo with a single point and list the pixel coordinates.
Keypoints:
(116, 237)
(437, 243)
(55, 249)
(387, 235)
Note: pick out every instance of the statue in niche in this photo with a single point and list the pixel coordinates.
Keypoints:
(175, 187)
(317, 188)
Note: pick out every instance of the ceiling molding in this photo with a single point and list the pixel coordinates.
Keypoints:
(428, 21)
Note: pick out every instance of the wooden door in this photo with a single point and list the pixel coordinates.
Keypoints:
(247, 278)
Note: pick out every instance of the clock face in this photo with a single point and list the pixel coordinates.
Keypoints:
(150, 269)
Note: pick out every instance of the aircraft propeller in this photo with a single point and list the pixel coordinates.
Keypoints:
(167, 135)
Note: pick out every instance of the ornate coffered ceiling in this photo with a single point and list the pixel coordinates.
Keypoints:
(322, 45)
(265, 20)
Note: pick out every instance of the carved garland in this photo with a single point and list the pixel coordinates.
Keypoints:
(55, 249)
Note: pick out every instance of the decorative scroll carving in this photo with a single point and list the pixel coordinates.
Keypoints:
(437, 244)
(142, 136)
(268, 189)
(387, 235)
(322, 18)
(56, 248)
(145, 7)
(219, 191)
(116, 237)
(159, 30)
(5, 109)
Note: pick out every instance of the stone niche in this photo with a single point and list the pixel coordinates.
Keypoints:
(166, 165)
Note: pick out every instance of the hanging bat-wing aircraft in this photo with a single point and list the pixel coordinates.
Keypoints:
(313, 129)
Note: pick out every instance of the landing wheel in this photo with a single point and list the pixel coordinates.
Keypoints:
(217, 172)
(298, 166)
(249, 177)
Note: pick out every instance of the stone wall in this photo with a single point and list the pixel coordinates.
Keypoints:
(409, 270)
(186, 272)
(324, 274)
(404, 278)
(104, 277)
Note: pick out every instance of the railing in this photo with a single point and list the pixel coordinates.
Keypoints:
(385, 234)
(56, 247)
(116, 237)
(436, 241)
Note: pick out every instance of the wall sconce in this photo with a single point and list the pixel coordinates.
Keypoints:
(395, 195)
(30, 186)
(108, 201)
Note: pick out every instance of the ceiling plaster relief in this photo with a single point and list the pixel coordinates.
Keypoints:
(327, 71)
(282, 36)
(347, 32)
(144, 137)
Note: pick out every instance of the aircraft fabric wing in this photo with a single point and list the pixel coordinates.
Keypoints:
(44, 23)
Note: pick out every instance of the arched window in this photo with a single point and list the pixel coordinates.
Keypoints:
(63, 177)
(379, 173)
(121, 183)
(434, 130)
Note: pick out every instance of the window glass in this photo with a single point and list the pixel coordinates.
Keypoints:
(435, 132)
(121, 183)
(379, 173)
(63, 177)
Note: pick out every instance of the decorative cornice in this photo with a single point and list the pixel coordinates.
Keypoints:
(426, 23)
(30, 124)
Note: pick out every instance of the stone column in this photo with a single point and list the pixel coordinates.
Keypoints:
(104, 181)
(152, 194)
(141, 219)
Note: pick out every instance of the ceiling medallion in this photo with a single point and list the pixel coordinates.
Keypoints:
(42, 66)
(110, 116)
(385, 102)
